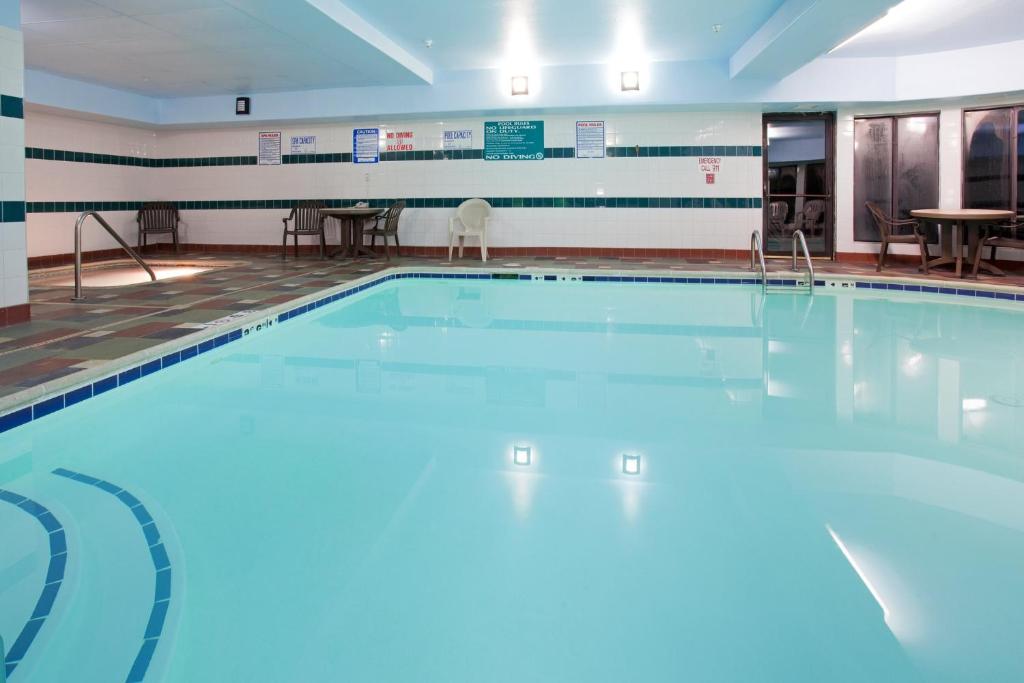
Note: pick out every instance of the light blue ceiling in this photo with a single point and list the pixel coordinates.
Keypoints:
(469, 34)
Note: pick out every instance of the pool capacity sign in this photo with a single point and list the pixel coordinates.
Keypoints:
(514, 140)
(710, 167)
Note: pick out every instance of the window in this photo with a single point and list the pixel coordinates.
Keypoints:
(896, 166)
(994, 159)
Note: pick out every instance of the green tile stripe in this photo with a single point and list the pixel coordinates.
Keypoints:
(346, 157)
(423, 203)
(12, 212)
(12, 107)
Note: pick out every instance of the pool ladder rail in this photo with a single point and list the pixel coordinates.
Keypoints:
(757, 259)
(78, 252)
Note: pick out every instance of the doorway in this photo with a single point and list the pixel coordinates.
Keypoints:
(799, 179)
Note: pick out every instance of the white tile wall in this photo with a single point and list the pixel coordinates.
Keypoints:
(13, 254)
(614, 177)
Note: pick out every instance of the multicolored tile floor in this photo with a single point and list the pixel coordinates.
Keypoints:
(64, 337)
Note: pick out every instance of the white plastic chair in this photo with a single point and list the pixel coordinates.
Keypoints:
(470, 220)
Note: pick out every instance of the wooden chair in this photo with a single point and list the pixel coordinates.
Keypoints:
(155, 218)
(389, 229)
(306, 220)
(889, 230)
(1009, 235)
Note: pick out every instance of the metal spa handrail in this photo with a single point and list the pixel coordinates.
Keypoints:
(756, 248)
(807, 257)
(78, 251)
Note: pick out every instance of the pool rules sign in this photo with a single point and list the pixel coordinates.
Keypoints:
(710, 167)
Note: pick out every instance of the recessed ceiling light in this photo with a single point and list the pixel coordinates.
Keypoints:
(630, 80)
(630, 463)
(522, 455)
(716, 28)
(520, 85)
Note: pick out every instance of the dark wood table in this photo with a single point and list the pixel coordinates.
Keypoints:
(355, 217)
(953, 223)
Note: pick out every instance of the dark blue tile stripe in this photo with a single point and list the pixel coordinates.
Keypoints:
(47, 154)
(53, 404)
(161, 569)
(411, 202)
(12, 107)
(54, 575)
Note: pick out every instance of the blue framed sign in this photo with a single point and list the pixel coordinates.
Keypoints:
(590, 140)
(366, 145)
(514, 140)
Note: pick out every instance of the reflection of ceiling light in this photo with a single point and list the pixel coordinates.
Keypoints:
(630, 80)
(912, 364)
(974, 404)
(630, 463)
(522, 455)
(520, 85)
(860, 572)
(716, 28)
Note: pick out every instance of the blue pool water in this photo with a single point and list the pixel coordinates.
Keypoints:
(829, 488)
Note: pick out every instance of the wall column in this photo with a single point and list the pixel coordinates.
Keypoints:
(13, 254)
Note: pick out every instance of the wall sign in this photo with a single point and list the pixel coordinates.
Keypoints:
(590, 140)
(513, 140)
(458, 139)
(270, 148)
(365, 145)
(303, 144)
(710, 167)
(399, 141)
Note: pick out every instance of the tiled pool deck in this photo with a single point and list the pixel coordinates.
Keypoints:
(65, 338)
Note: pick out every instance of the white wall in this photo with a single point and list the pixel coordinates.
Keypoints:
(661, 228)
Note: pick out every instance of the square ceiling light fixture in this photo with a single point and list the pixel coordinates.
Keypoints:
(522, 455)
(630, 80)
(630, 463)
(520, 85)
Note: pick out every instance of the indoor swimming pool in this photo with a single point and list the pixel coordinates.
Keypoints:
(531, 480)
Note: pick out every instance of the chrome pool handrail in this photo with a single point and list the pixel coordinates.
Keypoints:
(78, 251)
(756, 248)
(807, 257)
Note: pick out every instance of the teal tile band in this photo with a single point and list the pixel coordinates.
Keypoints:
(421, 203)
(12, 107)
(346, 157)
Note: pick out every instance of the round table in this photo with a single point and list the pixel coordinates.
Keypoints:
(355, 216)
(959, 221)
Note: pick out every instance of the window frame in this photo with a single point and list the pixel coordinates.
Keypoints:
(1014, 156)
(895, 157)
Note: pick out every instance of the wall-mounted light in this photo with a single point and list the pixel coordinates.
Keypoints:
(520, 85)
(522, 455)
(630, 463)
(242, 106)
(629, 80)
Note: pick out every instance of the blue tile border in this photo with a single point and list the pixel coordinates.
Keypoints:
(411, 202)
(161, 568)
(54, 575)
(52, 404)
(12, 107)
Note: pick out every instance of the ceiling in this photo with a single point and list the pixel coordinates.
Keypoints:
(922, 26)
(472, 34)
(197, 47)
(174, 48)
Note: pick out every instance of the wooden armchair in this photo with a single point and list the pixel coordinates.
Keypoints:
(1009, 235)
(389, 229)
(156, 218)
(892, 231)
(306, 220)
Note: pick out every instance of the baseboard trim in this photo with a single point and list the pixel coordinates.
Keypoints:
(12, 315)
